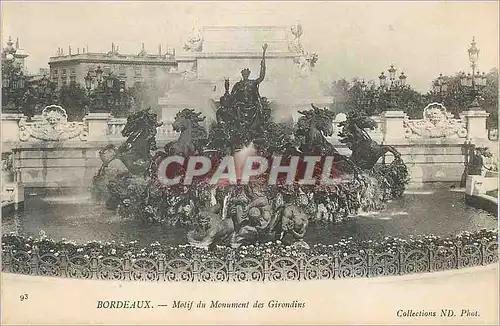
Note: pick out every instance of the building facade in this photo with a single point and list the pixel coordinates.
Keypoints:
(143, 67)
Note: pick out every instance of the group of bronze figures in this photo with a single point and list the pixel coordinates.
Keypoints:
(237, 214)
(249, 214)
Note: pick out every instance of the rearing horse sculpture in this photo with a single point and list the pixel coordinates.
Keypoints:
(311, 132)
(313, 128)
(192, 139)
(193, 136)
(135, 152)
(365, 151)
(140, 131)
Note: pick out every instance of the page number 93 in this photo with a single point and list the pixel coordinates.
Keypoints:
(23, 297)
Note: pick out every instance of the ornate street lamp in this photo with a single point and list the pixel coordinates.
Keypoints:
(88, 81)
(474, 82)
(368, 97)
(13, 80)
(383, 80)
(402, 79)
(122, 86)
(363, 85)
(108, 92)
(439, 87)
(98, 74)
(473, 53)
(50, 90)
(392, 72)
(20, 81)
(97, 95)
(44, 82)
(110, 81)
(392, 85)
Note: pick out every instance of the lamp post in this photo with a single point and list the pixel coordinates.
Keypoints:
(48, 90)
(439, 87)
(368, 97)
(104, 91)
(362, 99)
(474, 82)
(392, 84)
(88, 82)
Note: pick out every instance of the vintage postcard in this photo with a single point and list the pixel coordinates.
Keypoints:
(168, 162)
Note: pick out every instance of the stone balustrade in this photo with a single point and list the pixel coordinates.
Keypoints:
(66, 154)
(392, 126)
(115, 127)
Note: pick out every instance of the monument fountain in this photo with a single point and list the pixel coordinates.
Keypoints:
(243, 227)
(238, 210)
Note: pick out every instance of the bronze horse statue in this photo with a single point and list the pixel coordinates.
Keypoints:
(311, 134)
(135, 151)
(365, 151)
(191, 141)
(193, 136)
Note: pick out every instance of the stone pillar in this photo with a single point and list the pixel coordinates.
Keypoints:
(474, 185)
(392, 125)
(476, 124)
(98, 125)
(8, 169)
(13, 192)
(10, 126)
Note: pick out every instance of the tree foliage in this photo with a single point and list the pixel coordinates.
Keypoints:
(146, 94)
(490, 98)
(74, 100)
(373, 100)
(14, 85)
(457, 98)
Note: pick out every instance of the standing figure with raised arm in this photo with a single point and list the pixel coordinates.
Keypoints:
(245, 93)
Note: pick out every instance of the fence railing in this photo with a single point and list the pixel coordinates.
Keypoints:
(196, 267)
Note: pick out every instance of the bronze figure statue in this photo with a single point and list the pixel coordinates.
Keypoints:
(243, 103)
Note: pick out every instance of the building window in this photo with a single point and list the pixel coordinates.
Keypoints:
(64, 81)
(73, 71)
(55, 72)
(137, 71)
(152, 71)
(122, 71)
(64, 72)
(72, 79)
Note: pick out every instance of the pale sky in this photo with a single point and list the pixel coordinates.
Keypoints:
(353, 39)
